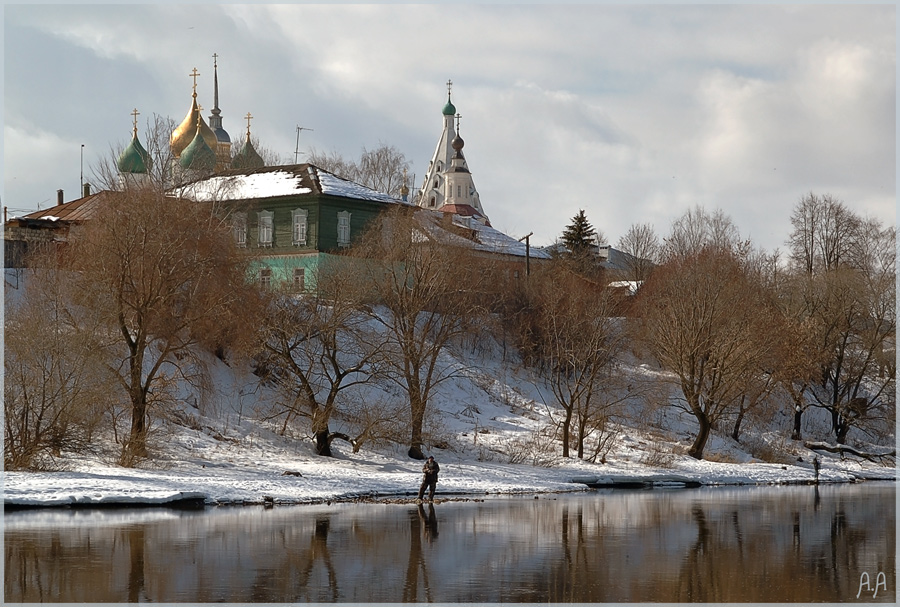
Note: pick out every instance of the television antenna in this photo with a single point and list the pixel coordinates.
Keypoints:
(297, 147)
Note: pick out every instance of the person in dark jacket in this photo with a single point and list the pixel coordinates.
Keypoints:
(431, 470)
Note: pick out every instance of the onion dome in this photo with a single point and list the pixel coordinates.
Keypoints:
(198, 155)
(458, 143)
(247, 157)
(449, 109)
(184, 134)
(134, 158)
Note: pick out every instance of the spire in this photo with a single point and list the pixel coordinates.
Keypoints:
(223, 139)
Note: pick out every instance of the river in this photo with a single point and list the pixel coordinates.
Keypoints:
(832, 543)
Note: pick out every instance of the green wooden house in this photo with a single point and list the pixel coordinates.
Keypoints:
(295, 216)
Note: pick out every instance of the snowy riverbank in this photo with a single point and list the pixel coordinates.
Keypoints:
(252, 475)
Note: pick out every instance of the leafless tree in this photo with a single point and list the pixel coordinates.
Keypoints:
(843, 295)
(317, 347)
(578, 344)
(383, 169)
(642, 248)
(825, 233)
(54, 382)
(706, 322)
(156, 271)
(698, 229)
(428, 296)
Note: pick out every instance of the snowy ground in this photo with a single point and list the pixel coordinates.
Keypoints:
(226, 457)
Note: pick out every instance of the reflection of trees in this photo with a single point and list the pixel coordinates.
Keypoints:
(136, 563)
(419, 524)
(319, 549)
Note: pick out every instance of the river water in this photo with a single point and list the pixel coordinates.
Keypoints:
(832, 543)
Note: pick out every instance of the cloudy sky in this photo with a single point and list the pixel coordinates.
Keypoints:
(634, 114)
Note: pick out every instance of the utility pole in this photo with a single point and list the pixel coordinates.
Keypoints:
(527, 252)
(297, 148)
(82, 169)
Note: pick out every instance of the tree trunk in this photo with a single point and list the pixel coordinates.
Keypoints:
(798, 415)
(696, 450)
(566, 431)
(417, 420)
(136, 445)
(323, 444)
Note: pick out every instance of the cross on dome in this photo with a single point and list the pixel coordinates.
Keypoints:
(194, 75)
(134, 115)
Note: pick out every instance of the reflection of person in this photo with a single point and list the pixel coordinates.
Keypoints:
(430, 469)
(431, 525)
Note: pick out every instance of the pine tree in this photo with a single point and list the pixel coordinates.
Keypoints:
(579, 236)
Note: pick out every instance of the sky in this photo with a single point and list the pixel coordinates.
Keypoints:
(634, 114)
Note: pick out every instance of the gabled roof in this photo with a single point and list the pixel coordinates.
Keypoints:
(478, 236)
(278, 181)
(75, 210)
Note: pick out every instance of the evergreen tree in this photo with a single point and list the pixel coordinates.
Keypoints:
(579, 236)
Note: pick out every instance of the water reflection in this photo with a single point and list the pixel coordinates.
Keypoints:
(708, 545)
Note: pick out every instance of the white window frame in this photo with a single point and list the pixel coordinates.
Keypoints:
(300, 226)
(265, 228)
(240, 229)
(343, 228)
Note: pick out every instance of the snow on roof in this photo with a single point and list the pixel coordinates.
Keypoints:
(243, 186)
(484, 237)
(273, 182)
(335, 186)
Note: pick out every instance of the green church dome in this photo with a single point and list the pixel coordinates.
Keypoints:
(134, 159)
(449, 109)
(198, 155)
(247, 157)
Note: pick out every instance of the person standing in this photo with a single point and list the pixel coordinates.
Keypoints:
(430, 469)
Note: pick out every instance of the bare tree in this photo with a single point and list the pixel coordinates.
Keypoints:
(429, 296)
(54, 385)
(155, 271)
(317, 348)
(698, 229)
(383, 169)
(642, 248)
(578, 345)
(825, 233)
(706, 322)
(844, 296)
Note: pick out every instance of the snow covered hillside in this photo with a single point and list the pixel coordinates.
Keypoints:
(487, 427)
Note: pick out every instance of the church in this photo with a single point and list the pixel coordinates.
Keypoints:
(292, 216)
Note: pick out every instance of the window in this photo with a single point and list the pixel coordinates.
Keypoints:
(240, 229)
(343, 229)
(459, 191)
(265, 278)
(299, 279)
(299, 221)
(265, 228)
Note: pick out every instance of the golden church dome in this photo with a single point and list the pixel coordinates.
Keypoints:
(184, 134)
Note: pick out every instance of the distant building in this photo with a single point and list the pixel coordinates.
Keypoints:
(294, 216)
(448, 186)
